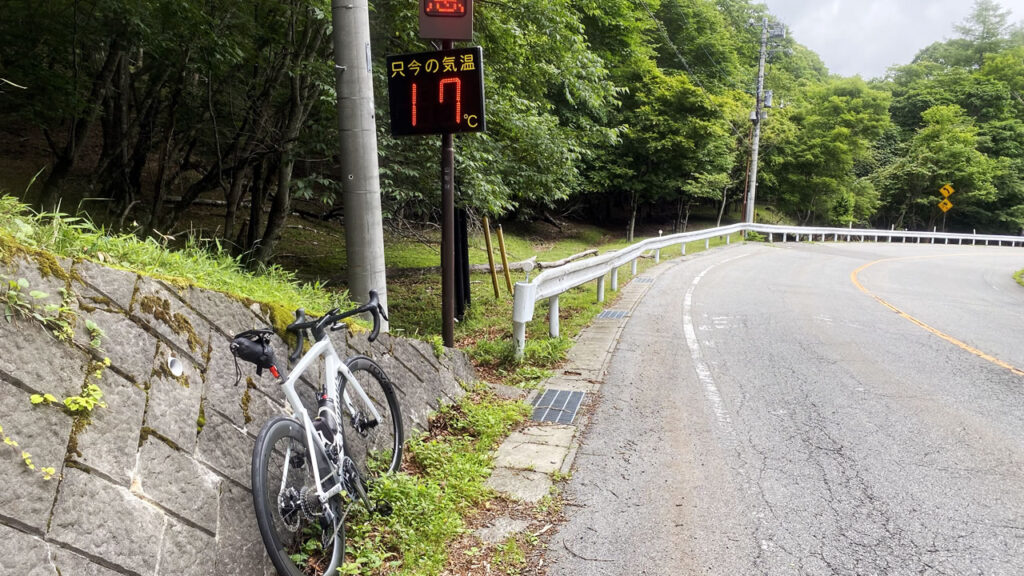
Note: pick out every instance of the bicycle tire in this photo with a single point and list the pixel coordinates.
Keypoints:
(283, 537)
(369, 449)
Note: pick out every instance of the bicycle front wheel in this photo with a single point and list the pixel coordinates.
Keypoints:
(374, 444)
(300, 538)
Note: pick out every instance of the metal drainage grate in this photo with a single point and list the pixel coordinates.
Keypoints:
(643, 280)
(558, 406)
(612, 314)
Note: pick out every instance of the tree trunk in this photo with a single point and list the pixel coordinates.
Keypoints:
(721, 209)
(632, 217)
(79, 128)
(678, 222)
(159, 189)
(234, 200)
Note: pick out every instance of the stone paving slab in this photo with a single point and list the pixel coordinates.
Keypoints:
(23, 555)
(117, 285)
(523, 485)
(179, 483)
(239, 548)
(573, 383)
(529, 456)
(500, 529)
(111, 440)
(43, 432)
(173, 409)
(24, 343)
(555, 435)
(82, 515)
(187, 552)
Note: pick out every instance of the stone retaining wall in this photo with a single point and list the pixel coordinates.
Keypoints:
(157, 482)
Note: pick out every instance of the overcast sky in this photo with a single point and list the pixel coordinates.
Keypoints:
(867, 36)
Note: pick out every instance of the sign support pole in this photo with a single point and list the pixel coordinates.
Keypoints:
(448, 233)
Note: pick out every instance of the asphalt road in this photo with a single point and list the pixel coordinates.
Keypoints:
(763, 414)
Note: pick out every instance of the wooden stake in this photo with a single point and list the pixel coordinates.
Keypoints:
(490, 257)
(504, 259)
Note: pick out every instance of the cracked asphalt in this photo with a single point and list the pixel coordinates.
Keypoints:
(763, 415)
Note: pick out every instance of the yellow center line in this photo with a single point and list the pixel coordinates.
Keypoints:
(958, 343)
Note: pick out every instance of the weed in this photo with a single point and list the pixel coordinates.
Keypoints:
(453, 461)
(57, 318)
(509, 557)
(42, 399)
(46, 472)
(558, 476)
(437, 343)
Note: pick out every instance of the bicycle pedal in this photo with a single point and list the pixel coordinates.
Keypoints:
(383, 508)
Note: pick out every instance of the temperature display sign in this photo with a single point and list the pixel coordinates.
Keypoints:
(446, 19)
(436, 92)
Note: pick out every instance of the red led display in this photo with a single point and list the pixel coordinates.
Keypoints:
(436, 92)
(445, 7)
(446, 19)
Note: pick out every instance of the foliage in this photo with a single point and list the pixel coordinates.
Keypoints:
(58, 318)
(960, 120)
(201, 264)
(46, 472)
(452, 461)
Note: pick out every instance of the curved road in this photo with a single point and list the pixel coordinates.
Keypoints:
(810, 409)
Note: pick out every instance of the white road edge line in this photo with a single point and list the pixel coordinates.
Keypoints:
(703, 372)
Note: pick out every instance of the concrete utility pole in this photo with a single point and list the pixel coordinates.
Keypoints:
(756, 119)
(364, 226)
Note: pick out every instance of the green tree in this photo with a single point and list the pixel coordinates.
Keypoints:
(943, 151)
(821, 141)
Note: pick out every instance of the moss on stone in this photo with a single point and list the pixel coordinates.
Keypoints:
(78, 426)
(201, 421)
(160, 309)
(49, 266)
(246, 399)
(148, 432)
(47, 262)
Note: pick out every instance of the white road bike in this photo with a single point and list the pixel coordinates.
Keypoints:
(310, 468)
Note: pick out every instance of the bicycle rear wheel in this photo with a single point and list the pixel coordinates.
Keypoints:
(375, 446)
(299, 539)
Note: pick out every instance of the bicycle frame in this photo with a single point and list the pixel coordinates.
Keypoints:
(332, 366)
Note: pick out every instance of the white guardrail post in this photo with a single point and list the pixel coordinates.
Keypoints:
(553, 316)
(550, 283)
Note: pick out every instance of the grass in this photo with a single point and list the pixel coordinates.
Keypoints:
(1019, 277)
(453, 461)
(200, 264)
(486, 331)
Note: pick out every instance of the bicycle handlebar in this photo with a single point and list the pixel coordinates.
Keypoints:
(301, 324)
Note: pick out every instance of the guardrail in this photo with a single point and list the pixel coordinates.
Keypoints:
(549, 284)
